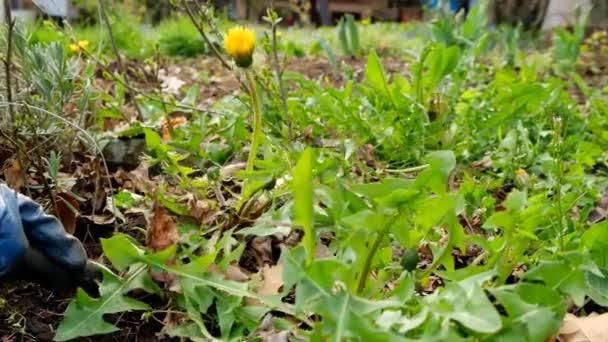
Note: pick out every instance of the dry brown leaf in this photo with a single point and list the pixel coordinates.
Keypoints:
(169, 125)
(593, 328)
(323, 252)
(162, 234)
(269, 281)
(140, 179)
(162, 231)
(230, 171)
(201, 210)
(366, 154)
(105, 219)
(268, 333)
(272, 280)
(67, 211)
(13, 174)
(262, 249)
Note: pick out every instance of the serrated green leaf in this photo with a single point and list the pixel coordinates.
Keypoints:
(121, 250)
(561, 276)
(469, 306)
(531, 308)
(84, 315)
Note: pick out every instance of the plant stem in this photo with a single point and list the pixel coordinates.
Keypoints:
(257, 121)
(558, 129)
(372, 252)
(8, 64)
(413, 169)
(121, 65)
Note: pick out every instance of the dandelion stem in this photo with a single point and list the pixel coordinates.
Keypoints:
(257, 121)
(372, 252)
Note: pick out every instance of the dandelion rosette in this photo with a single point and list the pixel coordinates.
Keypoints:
(239, 44)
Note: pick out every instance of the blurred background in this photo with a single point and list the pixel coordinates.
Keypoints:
(532, 13)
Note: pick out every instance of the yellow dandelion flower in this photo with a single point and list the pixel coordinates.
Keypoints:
(239, 44)
(521, 172)
(84, 44)
(80, 46)
(366, 21)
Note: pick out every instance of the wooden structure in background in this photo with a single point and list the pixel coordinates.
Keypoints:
(363, 8)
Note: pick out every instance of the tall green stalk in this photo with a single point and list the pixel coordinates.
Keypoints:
(367, 265)
(257, 121)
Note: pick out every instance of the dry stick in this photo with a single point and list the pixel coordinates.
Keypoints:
(9, 88)
(279, 75)
(121, 65)
(200, 30)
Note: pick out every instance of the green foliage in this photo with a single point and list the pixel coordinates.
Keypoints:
(450, 200)
(348, 35)
(567, 45)
(177, 37)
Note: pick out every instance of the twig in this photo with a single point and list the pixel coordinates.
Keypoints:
(278, 72)
(121, 65)
(200, 30)
(8, 62)
(214, 50)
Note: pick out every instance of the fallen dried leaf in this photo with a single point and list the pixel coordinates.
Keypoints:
(366, 154)
(170, 84)
(201, 210)
(229, 171)
(162, 234)
(141, 179)
(162, 231)
(268, 281)
(268, 333)
(272, 280)
(261, 247)
(101, 220)
(584, 329)
(67, 211)
(323, 252)
(13, 174)
(169, 125)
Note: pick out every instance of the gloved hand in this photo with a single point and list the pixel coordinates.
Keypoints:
(35, 247)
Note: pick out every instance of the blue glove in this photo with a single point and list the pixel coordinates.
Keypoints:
(24, 226)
